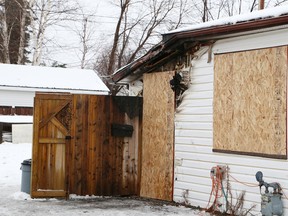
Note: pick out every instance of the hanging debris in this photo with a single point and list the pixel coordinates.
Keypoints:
(179, 84)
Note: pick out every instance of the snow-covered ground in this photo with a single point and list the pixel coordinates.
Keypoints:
(13, 202)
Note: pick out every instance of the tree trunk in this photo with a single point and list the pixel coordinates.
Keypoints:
(84, 43)
(205, 11)
(39, 36)
(22, 34)
(5, 37)
(111, 65)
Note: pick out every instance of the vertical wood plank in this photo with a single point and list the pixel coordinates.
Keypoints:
(48, 158)
(117, 117)
(99, 135)
(92, 148)
(85, 146)
(78, 145)
(35, 149)
(72, 150)
(106, 159)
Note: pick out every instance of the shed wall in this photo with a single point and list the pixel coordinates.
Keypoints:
(22, 133)
(194, 157)
(16, 98)
(23, 98)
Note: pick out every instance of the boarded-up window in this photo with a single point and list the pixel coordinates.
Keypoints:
(250, 102)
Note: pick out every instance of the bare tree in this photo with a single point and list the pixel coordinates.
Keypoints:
(45, 13)
(84, 42)
(183, 9)
(135, 32)
(159, 12)
(253, 5)
(205, 11)
(5, 35)
(124, 6)
(279, 2)
(88, 46)
(13, 36)
(23, 41)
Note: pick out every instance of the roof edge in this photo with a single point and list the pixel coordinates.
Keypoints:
(229, 28)
(171, 39)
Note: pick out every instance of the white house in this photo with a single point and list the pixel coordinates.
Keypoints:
(19, 83)
(231, 116)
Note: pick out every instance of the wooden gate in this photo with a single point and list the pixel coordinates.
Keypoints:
(51, 139)
(86, 145)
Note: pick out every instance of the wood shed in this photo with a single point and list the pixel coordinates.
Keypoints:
(19, 83)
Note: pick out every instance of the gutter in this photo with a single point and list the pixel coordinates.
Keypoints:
(50, 90)
(127, 70)
(228, 29)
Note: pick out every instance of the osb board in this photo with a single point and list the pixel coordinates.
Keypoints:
(250, 102)
(158, 137)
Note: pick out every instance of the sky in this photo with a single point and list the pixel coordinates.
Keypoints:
(66, 41)
(13, 202)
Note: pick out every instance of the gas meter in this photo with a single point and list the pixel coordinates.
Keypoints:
(271, 203)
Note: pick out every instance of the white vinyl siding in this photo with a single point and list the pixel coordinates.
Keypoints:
(194, 157)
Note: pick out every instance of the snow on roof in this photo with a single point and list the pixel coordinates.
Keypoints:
(260, 14)
(16, 119)
(50, 78)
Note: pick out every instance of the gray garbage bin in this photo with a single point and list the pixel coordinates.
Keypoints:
(26, 176)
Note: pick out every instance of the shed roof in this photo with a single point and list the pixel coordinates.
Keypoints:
(180, 40)
(19, 119)
(50, 79)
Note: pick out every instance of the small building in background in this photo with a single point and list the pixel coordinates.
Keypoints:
(19, 83)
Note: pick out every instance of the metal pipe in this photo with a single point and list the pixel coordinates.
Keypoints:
(261, 4)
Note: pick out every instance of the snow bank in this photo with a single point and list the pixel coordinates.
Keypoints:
(13, 202)
(11, 157)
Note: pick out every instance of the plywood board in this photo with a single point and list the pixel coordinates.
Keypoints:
(158, 137)
(250, 102)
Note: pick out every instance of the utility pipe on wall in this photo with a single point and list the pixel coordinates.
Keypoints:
(261, 4)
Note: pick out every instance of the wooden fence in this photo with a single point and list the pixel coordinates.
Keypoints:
(86, 145)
